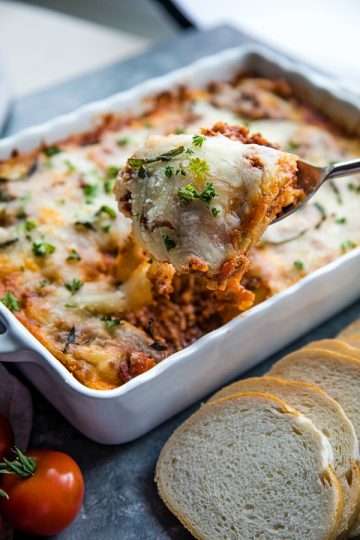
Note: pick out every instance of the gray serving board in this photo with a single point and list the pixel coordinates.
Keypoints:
(121, 501)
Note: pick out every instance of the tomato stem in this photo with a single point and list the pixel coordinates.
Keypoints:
(24, 466)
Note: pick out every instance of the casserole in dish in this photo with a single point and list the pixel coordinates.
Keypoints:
(117, 415)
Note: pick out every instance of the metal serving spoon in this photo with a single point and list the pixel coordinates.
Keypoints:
(310, 178)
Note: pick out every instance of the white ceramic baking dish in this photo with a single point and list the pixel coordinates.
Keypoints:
(118, 416)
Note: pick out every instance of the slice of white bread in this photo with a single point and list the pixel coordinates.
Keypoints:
(327, 416)
(248, 467)
(336, 345)
(337, 374)
(350, 329)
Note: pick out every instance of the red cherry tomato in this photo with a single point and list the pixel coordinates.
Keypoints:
(47, 502)
(7, 439)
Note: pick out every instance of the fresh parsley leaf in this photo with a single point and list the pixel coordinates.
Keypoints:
(341, 221)
(137, 163)
(348, 244)
(299, 265)
(169, 171)
(74, 285)
(188, 193)
(90, 192)
(199, 166)
(10, 301)
(109, 321)
(123, 141)
(106, 210)
(198, 140)
(109, 185)
(70, 339)
(30, 225)
(189, 151)
(112, 172)
(73, 256)
(169, 242)
(51, 151)
(292, 146)
(70, 168)
(215, 211)
(41, 249)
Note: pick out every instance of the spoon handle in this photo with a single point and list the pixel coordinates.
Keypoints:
(344, 168)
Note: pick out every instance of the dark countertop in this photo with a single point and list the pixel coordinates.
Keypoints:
(121, 501)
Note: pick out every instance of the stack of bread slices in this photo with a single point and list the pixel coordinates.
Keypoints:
(273, 457)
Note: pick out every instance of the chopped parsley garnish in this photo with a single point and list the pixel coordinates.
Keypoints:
(169, 242)
(70, 339)
(112, 172)
(348, 244)
(323, 215)
(299, 265)
(10, 301)
(106, 228)
(188, 193)
(30, 225)
(123, 141)
(341, 221)
(73, 256)
(292, 146)
(90, 192)
(215, 211)
(45, 282)
(109, 185)
(136, 216)
(198, 140)
(70, 168)
(137, 163)
(180, 131)
(109, 321)
(51, 151)
(86, 224)
(41, 249)
(189, 151)
(199, 166)
(353, 187)
(169, 171)
(74, 285)
(336, 191)
(106, 210)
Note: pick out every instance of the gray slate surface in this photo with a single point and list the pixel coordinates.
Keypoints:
(121, 501)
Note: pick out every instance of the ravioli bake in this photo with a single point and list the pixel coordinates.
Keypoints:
(69, 267)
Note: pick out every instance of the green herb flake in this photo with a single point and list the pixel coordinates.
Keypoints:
(73, 256)
(299, 265)
(42, 249)
(199, 166)
(106, 228)
(109, 321)
(106, 210)
(51, 151)
(180, 131)
(348, 244)
(123, 141)
(10, 301)
(109, 185)
(215, 211)
(188, 193)
(74, 285)
(90, 192)
(198, 140)
(169, 242)
(136, 216)
(353, 187)
(169, 171)
(70, 168)
(341, 221)
(44, 283)
(30, 225)
(138, 163)
(112, 172)
(189, 151)
(292, 146)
